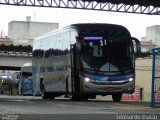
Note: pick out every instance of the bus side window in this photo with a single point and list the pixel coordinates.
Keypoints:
(42, 69)
(50, 69)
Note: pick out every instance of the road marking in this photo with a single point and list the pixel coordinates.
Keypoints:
(17, 100)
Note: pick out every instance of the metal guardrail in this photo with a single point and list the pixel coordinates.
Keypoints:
(14, 53)
(11, 50)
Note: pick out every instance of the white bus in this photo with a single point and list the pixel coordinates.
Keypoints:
(85, 60)
(26, 81)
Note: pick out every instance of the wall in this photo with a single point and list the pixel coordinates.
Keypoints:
(23, 32)
(153, 33)
(144, 76)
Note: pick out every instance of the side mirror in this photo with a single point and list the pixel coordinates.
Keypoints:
(137, 47)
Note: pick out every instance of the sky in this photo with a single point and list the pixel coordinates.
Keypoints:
(135, 23)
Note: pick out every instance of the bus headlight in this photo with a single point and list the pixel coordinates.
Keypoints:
(130, 79)
(86, 79)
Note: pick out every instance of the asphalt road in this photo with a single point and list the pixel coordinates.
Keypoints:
(34, 108)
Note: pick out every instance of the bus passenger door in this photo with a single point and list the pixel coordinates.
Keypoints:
(75, 70)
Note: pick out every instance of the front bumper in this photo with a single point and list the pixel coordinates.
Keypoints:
(103, 88)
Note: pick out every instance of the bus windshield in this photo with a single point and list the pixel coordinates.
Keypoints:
(111, 54)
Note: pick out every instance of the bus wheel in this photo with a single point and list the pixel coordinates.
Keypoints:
(51, 96)
(92, 97)
(44, 96)
(117, 97)
(84, 98)
(75, 97)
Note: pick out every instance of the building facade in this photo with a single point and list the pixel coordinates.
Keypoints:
(144, 76)
(24, 32)
(5, 41)
(153, 34)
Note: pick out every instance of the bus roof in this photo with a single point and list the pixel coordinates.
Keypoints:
(50, 33)
(103, 28)
(27, 67)
(27, 64)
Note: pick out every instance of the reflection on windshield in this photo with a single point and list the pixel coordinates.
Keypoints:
(113, 54)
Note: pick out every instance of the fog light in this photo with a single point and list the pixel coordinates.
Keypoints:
(130, 79)
(87, 79)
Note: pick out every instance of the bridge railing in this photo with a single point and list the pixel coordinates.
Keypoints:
(150, 7)
(11, 50)
(14, 53)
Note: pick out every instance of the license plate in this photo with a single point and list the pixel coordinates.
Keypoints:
(110, 89)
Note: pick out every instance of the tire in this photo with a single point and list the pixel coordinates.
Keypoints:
(44, 94)
(51, 96)
(117, 97)
(76, 97)
(84, 98)
(92, 97)
(42, 89)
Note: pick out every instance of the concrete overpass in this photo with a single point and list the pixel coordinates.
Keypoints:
(12, 58)
(13, 62)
